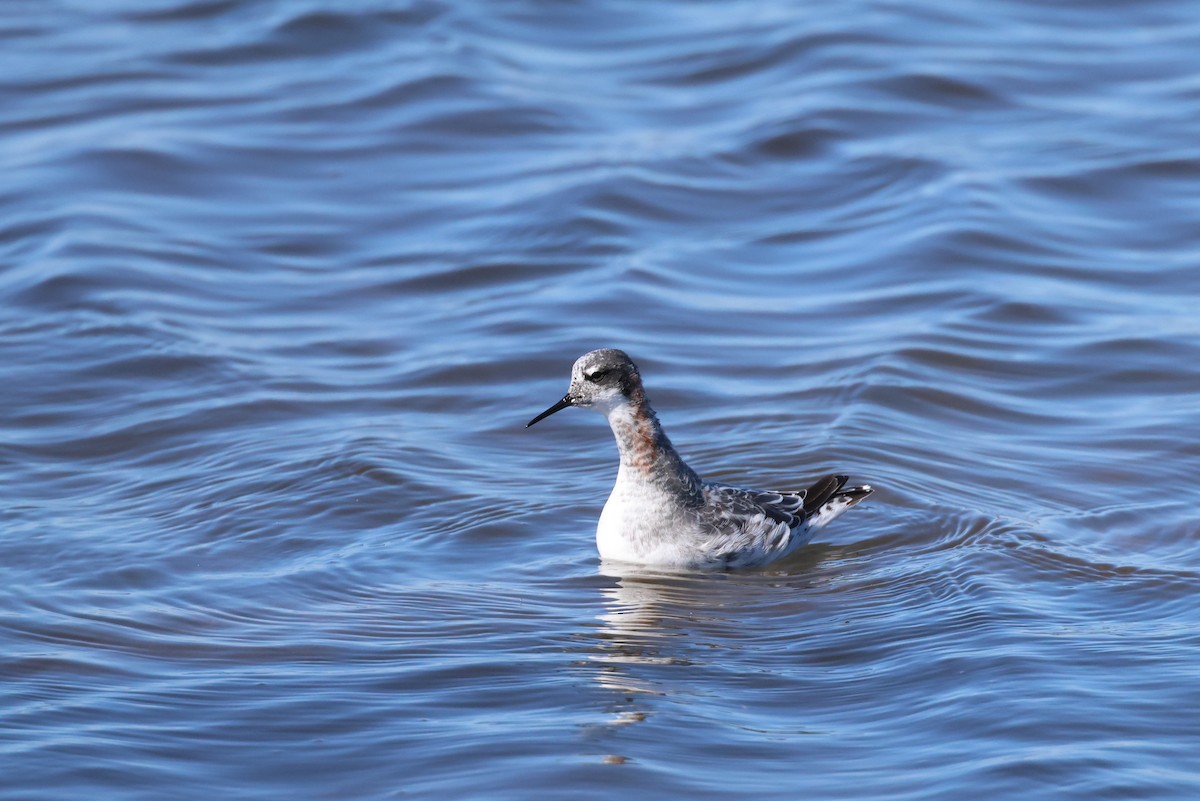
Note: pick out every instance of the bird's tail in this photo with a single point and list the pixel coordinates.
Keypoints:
(825, 500)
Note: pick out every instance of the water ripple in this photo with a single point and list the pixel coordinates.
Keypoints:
(282, 285)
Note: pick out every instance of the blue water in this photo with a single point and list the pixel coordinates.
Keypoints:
(280, 284)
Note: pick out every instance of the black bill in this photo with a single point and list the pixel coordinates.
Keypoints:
(562, 404)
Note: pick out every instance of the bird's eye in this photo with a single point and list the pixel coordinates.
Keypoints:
(596, 376)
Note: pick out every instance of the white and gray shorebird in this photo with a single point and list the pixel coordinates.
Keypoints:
(661, 513)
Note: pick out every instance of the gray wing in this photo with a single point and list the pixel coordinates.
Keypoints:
(782, 507)
(751, 526)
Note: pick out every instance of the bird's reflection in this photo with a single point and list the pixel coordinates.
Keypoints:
(648, 631)
(661, 636)
(639, 626)
(669, 620)
(640, 640)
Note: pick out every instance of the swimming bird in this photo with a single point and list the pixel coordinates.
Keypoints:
(661, 513)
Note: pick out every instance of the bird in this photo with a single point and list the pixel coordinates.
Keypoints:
(661, 514)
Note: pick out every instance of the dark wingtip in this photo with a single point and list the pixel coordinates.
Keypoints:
(819, 493)
(857, 493)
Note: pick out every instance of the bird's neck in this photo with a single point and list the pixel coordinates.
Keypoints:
(645, 450)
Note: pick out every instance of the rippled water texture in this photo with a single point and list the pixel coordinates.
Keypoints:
(283, 281)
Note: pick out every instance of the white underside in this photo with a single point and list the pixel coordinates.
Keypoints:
(610, 541)
(639, 525)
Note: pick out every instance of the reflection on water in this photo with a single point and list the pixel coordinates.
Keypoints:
(677, 623)
(640, 625)
(644, 623)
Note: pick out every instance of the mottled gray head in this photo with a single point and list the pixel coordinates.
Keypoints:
(604, 378)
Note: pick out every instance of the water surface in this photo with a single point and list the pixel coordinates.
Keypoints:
(282, 282)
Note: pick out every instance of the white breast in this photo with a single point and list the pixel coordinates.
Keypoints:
(610, 536)
(641, 524)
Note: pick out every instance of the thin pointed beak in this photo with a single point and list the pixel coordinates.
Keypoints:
(562, 404)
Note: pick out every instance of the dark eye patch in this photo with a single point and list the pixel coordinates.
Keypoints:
(596, 376)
